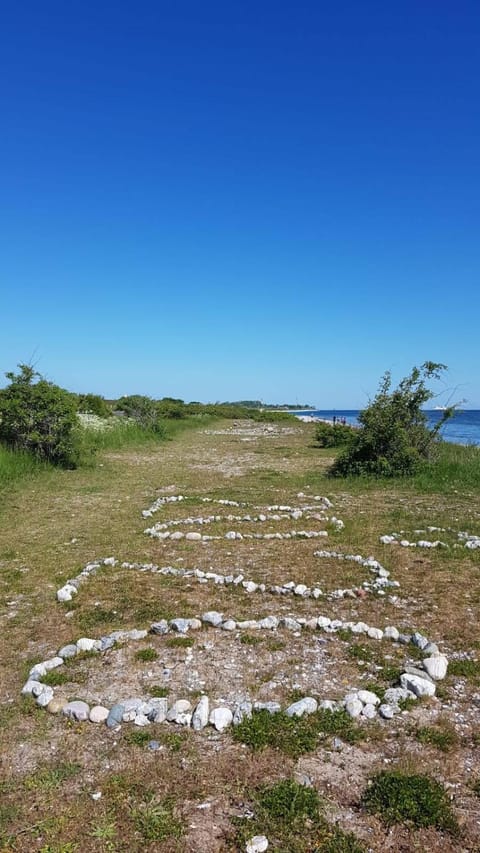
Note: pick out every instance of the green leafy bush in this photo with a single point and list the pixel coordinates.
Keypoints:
(39, 417)
(141, 409)
(94, 404)
(394, 439)
(417, 799)
(333, 435)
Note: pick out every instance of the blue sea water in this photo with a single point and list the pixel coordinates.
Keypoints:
(463, 428)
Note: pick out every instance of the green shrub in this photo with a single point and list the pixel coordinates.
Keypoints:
(289, 801)
(442, 738)
(394, 438)
(146, 655)
(398, 797)
(94, 404)
(330, 435)
(39, 417)
(141, 409)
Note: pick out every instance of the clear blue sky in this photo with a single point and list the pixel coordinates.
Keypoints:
(224, 200)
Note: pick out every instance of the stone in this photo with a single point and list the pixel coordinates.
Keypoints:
(308, 705)
(181, 706)
(56, 705)
(375, 633)
(45, 696)
(327, 705)
(436, 666)
(98, 714)
(212, 617)
(193, 537)
(388, 711)
(32, 685)
(416, 670)
(159, 710)
(391, 633)
(268, 622)
(229, 625)
(257, 844)
(159, 627)
(141, 720)
(68, 651)
(324, 622)
(419, 686)
(200, 714)
(393, 695)
(271, 707)
(194, 624)
(77, 710)
(419, 640)
(66, 592)
(115, 716)
(250, 586)
(354, 707)
(221, 718)
(368, 697)
(369, 711)
(242, 711)
(85, 644)
(300, 589)
(180, 625)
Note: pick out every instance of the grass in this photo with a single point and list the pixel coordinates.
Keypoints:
(156, 821)
(415, 799)
(146, 655)
(16, 467)
(179, 642)
(442, 737)
(51, 777)
(291, 817)
(158, 692)
(295, 735)
(469, 669)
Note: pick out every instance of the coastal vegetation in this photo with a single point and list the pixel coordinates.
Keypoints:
(394, 439)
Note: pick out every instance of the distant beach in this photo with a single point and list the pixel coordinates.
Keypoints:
(462, 428)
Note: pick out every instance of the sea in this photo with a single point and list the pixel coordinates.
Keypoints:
(462, 428)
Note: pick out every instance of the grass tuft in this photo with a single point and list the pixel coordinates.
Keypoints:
(295, 735)
(414, 799)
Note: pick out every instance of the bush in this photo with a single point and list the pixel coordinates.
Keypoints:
(94, 404)
(394, 439)
(416, 799)
(38, 417)
(333, 435)
(141, 409)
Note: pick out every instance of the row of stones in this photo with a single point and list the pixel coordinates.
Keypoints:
(159, 503)
(234, 535)
(382, 581)
(414, 682)
(467, 540)
(261, 518)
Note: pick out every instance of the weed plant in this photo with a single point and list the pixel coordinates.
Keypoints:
(414, 799)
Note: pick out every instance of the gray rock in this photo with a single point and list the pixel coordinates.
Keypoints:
(159, 627)
(229, 625)
(271, 707)
(77, 710)
(393, 695)
(290, 624)
(201, 714)
(85, 644)
(141, 720)
(115, 716)
(268, 622)
(369, 711)
(243, 710)
(419, 686)
(153, 745)
(257, 844)
(368, 697)
(68, 651)
(212, 617)
(181, 706)
(419, 640)
(45, 696)
(308, 705)
(354, 707)
(180, 625)
(159, 710)
(436, 666)
(415, 670)
(388, 711)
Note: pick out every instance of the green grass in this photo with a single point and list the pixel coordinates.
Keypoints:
(146, 655)
(442, 738)
(179, 642)
(413, 799)
(465, 668)
(290, 815)
(156, 821)
(295, 735)
(137, 738)
(157, 692)
(16, 467)
(49, 778)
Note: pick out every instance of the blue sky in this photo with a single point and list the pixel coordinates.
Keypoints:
(240, 200)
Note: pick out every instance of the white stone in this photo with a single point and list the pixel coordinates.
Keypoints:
(66, 592)
(375, 633)
(257, 844)
(307, 705)
(229, 625)
(85, 644)
(369, 711)
(45, 696)
(354, 707)
(419, 686)
(193, 537)
(98, 714)
(212, 617)
(181, 706)
(436, 666)
(368, 697)
(141, 720)
(200, 714)
(388, 711)
(323, 622)
(392, 633)
(77, 710)
(221, 718)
